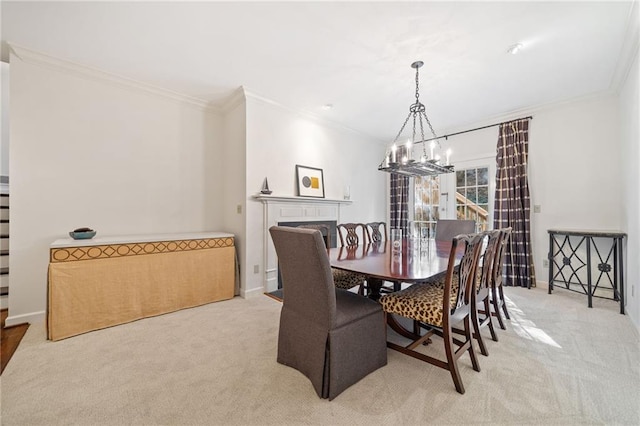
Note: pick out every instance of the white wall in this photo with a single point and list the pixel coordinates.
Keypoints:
(630, 207)
(93, 151)
(232, 163)
(4, 122)
(277, 140)
(574, 172)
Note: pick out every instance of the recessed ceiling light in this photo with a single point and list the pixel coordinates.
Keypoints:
(327, 107)
(515, 48)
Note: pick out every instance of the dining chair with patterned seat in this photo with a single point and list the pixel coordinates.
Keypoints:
(481, 298)
(377, 233)
(332, 336)
(482, 295)
(342, 279)
(435, 310)
(351, 236)
(497, 294)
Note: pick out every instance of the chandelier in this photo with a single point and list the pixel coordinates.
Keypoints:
(402, 160)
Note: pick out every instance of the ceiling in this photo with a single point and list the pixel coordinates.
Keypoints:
(353, 55)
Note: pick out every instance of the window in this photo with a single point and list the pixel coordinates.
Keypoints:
(472, 196)
(426, 205)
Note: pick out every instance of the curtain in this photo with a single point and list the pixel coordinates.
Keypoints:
(399, 199)
(512, 202)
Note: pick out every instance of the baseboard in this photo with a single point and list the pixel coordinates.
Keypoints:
(30, 318)
(254, 292)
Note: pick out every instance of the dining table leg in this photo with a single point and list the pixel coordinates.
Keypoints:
(374, 284)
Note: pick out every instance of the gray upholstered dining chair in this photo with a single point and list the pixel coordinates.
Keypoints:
(436, 309)
(342, 279)
(332, 336)
(446, 229)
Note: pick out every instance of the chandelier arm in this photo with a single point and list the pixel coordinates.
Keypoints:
(402, 128)
(433, 132)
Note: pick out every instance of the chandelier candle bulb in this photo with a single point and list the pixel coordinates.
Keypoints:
(432, 146)
(393, 153)
(448, 157)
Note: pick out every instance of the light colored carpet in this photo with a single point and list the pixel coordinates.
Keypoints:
(558, 362)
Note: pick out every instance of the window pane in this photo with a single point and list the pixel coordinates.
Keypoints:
(471, 195)
(460, 212)
(471, 177)
(460, 200)
(483, 176)
(460, 178)
(483, 195)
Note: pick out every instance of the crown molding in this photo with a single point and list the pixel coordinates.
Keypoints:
(83, 71)
(629, 51)
(308, 115)
(236, 98)
(531, 111)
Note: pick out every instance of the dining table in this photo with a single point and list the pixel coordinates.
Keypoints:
(409, 260)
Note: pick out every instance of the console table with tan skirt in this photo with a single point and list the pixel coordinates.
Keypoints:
(107, 281)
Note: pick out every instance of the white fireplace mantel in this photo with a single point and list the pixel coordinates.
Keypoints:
(291, 209)
(281, 198)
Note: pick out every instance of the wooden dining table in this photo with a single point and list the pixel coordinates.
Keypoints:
(411, 261)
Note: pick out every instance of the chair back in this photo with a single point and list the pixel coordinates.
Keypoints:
(499, 260)
(306, 274)
(324, 230)
(377, 232)
(486, 272)
(447, 229)
(352, 234)
(472, 244)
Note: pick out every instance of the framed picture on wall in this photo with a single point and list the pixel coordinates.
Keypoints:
(310, 182)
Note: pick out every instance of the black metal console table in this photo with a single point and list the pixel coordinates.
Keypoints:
(570, 259)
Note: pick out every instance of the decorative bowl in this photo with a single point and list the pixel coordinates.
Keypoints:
(82, 235)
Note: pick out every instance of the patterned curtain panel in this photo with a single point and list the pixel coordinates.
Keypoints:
(512, 203)
(399, 199)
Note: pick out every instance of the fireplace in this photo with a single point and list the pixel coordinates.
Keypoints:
(294, 211)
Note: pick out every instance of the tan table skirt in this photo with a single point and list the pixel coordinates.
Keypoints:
(99, 292)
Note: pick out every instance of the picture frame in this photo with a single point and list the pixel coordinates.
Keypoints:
(310, 181)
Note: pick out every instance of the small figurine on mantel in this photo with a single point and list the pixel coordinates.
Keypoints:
(265, 187)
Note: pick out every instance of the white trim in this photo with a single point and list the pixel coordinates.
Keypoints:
(30, 318)
(629, 49)
(285, 199)
(252, 293)
(289, 209)
(311, 116)
(528, 111)
(237, 98)
(38, 58)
